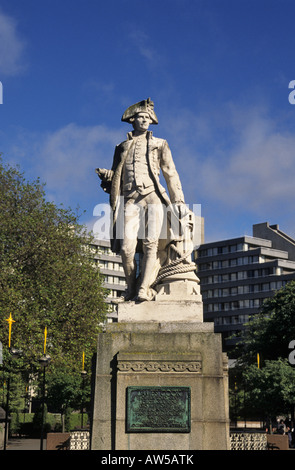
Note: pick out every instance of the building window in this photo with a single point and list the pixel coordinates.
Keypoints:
(242, 275)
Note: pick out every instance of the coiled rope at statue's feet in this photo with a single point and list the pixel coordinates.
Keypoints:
(177, 266)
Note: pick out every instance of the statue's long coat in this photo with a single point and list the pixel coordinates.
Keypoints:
(159, 157)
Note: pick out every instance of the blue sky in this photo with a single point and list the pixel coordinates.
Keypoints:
(217, 70)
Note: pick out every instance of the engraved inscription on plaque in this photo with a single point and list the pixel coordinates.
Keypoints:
(158, 409)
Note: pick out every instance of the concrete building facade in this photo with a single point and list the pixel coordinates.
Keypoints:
(237, 275)
(111, 267)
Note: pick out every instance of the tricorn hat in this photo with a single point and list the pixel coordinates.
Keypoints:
(145, 106)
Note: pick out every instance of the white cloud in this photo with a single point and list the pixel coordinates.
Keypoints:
(141, 43)
(239, 161)
(257, 171)
(12, 47)
(234, 157)
(67, 158)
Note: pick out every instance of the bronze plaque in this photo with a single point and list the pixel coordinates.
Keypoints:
(158, 409)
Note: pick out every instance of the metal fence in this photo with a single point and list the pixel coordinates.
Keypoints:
(80, 440)
(248, 441)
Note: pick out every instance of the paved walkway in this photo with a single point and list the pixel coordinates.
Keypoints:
(24, 444)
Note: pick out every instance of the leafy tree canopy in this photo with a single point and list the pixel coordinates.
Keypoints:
(270, 332)
(48, 278)
(268, 391)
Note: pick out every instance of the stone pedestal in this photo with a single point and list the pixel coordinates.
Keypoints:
(176, 300)
(172, 356)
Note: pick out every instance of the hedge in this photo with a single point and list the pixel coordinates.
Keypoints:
(23, 423)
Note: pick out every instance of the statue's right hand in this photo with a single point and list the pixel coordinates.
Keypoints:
(105, 175)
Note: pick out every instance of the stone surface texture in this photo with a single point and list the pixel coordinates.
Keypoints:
(161, 354)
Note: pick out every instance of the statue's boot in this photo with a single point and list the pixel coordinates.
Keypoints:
(131, 286)
(149, 270)
(130, 276)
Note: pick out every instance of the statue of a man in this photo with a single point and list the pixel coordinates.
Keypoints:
(134, 177)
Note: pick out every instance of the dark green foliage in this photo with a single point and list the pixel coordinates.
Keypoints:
(66, 390)
(47, 276)
(272, 330)
(269, 390)
(263, 393)
(48, 279)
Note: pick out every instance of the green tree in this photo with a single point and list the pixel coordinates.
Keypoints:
(268, 390)
(66, 391)
(270, 332)
(264, 392)
(48, 278)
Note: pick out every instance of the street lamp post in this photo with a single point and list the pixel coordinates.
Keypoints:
(13, 353)
(83, 375)
(7, 409)
(10, 321)
(44, 361)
